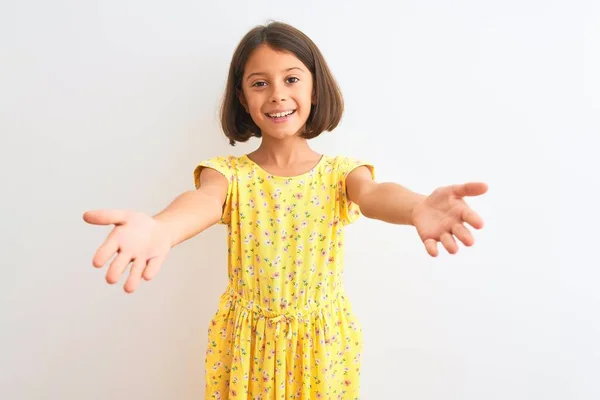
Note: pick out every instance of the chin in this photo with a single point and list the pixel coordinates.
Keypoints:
(283, 133)
(280, 135)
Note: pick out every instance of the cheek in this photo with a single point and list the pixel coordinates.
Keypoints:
(252, 105)
(256, 111)
(255, 101)
(308, 95)
(306, 103)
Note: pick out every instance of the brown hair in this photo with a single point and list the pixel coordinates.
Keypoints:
(325, 114)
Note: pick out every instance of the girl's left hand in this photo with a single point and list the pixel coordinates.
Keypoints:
(441, 217)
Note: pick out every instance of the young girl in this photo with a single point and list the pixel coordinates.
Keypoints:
(284, 328)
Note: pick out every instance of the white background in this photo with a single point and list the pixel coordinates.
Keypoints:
(112, 104)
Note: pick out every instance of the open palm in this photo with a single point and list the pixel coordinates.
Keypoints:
(136, 239)
(441, 217)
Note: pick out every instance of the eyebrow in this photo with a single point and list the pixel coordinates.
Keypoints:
(264, 73)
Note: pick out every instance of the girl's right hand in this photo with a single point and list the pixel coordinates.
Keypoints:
(136, 238)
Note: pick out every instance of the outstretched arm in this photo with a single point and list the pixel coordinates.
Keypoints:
(144, 241)
(386, 201)
(439, 217)
(195, 210)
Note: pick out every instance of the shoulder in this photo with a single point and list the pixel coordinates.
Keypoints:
(220, 161)
(225, 165)
(345, 165)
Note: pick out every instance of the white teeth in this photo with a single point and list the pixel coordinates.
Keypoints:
(279, 115)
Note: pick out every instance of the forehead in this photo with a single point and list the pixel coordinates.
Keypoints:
(266, 60)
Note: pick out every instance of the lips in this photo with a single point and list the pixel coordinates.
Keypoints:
(280, 114)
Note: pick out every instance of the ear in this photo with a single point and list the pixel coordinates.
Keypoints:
(242, 99)
(314, 97)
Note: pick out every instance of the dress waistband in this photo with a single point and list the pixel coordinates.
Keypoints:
(287, 318)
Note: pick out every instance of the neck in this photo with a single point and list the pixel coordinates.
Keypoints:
(283, 152)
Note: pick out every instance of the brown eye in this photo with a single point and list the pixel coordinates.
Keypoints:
(295, 79)
(259, 84)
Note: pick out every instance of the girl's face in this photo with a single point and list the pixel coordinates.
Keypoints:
(277, 91)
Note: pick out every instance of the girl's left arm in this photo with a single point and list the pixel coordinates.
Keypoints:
(438, 217)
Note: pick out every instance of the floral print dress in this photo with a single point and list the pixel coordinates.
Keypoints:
(284, 328)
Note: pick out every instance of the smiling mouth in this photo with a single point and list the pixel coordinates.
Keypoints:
(280, 115)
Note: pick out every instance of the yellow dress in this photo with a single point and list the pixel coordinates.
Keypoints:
(284, 328)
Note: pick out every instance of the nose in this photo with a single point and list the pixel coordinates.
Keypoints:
(278, 93)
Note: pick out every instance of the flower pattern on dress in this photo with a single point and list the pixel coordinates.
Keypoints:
(284, 328)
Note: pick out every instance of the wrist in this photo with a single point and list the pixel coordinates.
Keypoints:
(414, 208)
(165, 230)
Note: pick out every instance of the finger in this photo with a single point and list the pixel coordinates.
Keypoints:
(106, 251)
(135, 274)
(152, 268)
(470, 189)
(431, 247)
(472, 218)
(463, 234)
(106, 217)
(117, 267)
(449, 243)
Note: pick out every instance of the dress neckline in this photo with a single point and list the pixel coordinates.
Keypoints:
(291, 177)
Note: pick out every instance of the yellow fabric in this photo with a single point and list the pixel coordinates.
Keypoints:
(284, 328)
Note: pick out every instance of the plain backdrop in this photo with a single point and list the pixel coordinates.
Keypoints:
(112, 104)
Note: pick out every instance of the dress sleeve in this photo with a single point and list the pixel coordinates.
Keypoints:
(225, 166)
(349, 211)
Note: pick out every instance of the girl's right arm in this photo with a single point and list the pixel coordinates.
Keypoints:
(196, 210)
(145, 241)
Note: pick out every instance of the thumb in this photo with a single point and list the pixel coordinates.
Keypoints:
(469, 189)
(106, 217)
